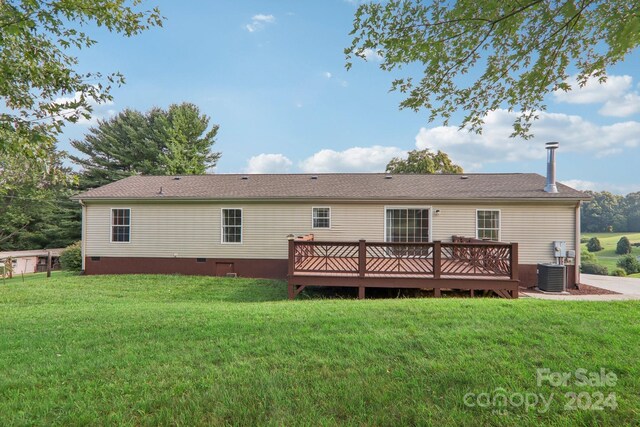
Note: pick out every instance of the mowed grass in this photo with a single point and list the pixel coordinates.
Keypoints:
(175, 350)
(609, 241)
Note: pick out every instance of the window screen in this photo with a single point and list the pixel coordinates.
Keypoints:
(121, 225)
(232, 225)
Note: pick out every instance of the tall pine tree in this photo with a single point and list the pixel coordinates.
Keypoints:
(159, 142)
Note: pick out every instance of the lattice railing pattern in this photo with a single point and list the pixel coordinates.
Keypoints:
(476, 259)
(326, 257)
(432, 260)
(399, 258)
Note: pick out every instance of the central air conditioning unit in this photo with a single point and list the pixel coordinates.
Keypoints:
(551, 277)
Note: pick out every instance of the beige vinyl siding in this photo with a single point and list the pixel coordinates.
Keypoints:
(193, 230)
(533, 226)
(189, 230)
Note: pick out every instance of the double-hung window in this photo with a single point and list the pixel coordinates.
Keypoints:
(231, 225)
(321, 217)
(488, 224)
(120, 225)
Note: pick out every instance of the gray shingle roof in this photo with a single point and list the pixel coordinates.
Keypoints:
(345, 186)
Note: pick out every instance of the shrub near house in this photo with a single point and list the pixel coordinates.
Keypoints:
(71, 257)
(594, 269)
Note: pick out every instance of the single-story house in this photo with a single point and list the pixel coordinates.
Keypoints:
(223, 224)
(32, 261)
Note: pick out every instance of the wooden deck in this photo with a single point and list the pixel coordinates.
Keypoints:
(472, 266)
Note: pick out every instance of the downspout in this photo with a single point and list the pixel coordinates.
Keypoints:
(82, 232)
(577, 244)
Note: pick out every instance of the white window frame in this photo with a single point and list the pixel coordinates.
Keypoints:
(222, 226)
(111, 225)
(313, 217)
(429, 208)
(499, 223)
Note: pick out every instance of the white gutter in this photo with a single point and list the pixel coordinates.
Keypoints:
(83, 232)
(577, 243)
(329, 199)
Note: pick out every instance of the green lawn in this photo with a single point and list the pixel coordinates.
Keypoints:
(148, 350)
(607, 256)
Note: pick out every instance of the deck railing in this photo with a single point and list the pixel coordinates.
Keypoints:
(434, 259)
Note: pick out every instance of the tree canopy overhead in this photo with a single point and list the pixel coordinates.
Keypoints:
(478, 56)
(40, 84)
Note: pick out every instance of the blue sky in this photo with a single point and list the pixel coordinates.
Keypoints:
(272, 75)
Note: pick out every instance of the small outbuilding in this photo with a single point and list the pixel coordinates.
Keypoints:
(32, 261)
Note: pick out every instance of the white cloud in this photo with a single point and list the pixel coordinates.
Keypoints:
(356, 159)
(580, 184)
(622, 107)
(371, 55)
(594, 92)
(264, 18)
(574, 133)
(100, 111)
(268, 163)
(616, 94)
(259, 21)
(327, 74)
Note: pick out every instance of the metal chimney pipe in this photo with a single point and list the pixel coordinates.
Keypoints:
(551, 167)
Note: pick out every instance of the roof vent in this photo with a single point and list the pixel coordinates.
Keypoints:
(388, 177)
(176, 178)
(244, 177)
(314, 177)
(160, 192)
(464, 177)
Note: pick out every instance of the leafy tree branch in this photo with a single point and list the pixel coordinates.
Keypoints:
(477, 57)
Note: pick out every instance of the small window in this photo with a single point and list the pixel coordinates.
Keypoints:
(121, 225)
(488, 224)
(231, 225)
(95, 258)
(321, 217)
(201, 260)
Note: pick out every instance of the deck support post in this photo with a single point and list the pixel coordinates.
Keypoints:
(362, 257)
(437, 259)
(437, 292)
(514, 261)
(361, 292)
(291, 266)
(292, 255)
